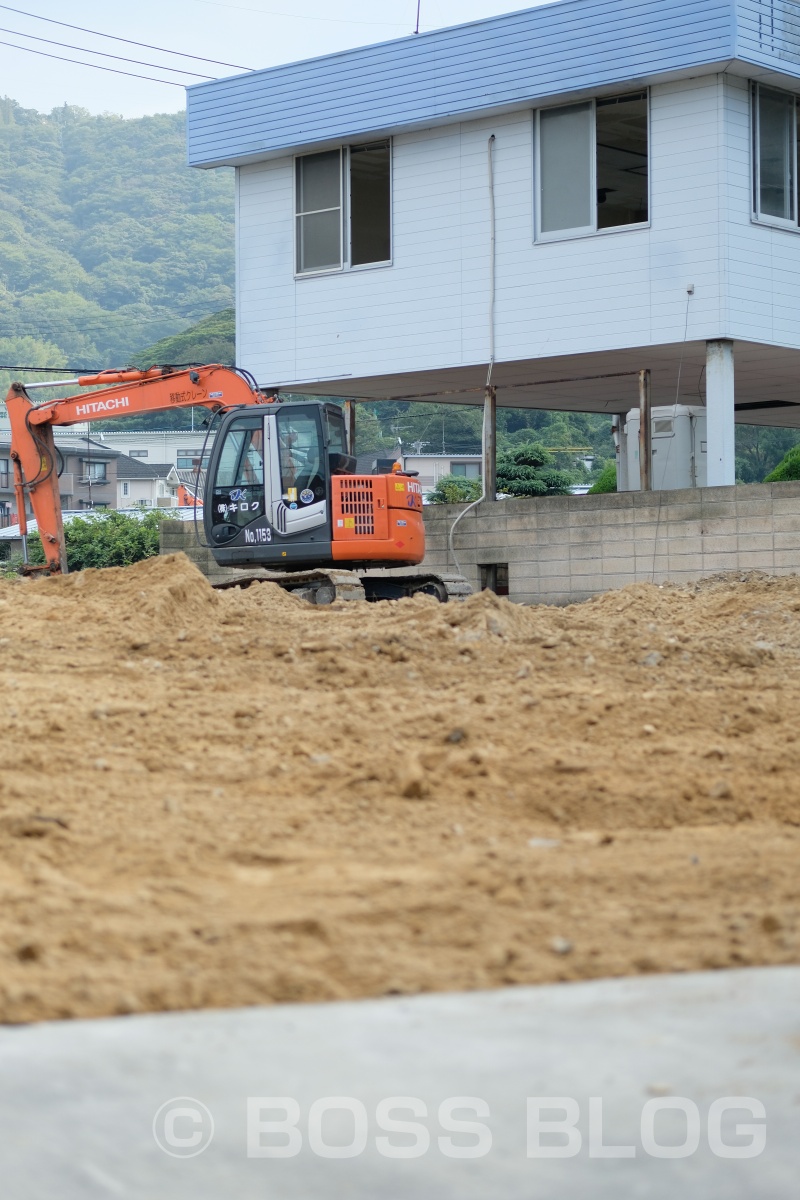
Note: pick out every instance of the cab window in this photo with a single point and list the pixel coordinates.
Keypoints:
(334, 425)
(242, 461)
(302, 470)
(238, 490)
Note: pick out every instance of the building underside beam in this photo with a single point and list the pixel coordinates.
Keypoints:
(602, 382)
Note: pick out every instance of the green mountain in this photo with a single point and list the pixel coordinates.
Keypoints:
(212, 340)
(108, 241)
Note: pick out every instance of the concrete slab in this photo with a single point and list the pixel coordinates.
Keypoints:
(78, 1100)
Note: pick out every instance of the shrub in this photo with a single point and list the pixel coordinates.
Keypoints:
(530, 471)
(606, 481)
(106, 539)
(456, 489)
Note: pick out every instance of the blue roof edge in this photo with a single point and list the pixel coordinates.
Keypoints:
(560, 48)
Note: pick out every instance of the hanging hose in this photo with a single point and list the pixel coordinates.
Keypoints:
(492, 296)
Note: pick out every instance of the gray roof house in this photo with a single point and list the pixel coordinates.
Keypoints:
(146, 484)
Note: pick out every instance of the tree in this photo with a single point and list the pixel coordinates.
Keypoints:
(787, 468)
(455, 489)
(606, 481)
(530, 471)
(106, 539)
(27, 352)
(370, 438)
(759, 450)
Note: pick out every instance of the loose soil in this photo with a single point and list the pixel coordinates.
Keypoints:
(218, 799)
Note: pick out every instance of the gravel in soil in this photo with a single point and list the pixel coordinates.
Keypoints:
(219, 799)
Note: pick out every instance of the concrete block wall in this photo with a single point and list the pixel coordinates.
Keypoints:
(175, 536)
(563, 549)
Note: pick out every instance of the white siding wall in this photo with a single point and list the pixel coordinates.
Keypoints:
(138, 490)
(429, 309)
(763, 263)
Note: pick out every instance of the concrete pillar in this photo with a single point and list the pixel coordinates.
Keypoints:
(490, 444)
(719, 414)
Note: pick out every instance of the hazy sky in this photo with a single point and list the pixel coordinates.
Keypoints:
(248, 33)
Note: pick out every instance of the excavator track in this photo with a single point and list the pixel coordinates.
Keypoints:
(326, 586)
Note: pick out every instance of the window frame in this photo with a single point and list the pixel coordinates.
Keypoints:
(462, 469)
(95, 470)
(345, 232)
(587, 231)
(193, 456)
(333, 270)
(756, 216)
(384, 262)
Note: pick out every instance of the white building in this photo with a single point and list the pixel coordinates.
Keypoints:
(180, 447)
(433, 467)
(641, 162)
(146, 485)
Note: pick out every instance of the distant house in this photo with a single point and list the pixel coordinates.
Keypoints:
(146, 485)
(87, 476)
(433, 467)
(6, 488)
(181, 447)
(576, 192)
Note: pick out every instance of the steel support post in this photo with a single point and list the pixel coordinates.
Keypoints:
(645, 434)
(350, 425)
(490, 444)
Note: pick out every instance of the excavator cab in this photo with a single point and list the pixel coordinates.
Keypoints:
(268, 489)
(281, 491)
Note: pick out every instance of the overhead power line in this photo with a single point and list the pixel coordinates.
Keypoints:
(295, 16)
(94, 66)
(104, 54)
(113, 37)
(53, 370)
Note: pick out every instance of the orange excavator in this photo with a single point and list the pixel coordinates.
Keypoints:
(281, 489)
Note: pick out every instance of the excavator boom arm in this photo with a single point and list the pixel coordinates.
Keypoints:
(121, 393)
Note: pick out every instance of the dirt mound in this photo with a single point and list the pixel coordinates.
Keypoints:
(230, 798)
